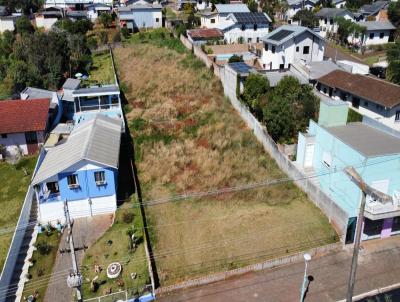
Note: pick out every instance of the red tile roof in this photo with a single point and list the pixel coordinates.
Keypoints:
(205, 33)
(377, 91)
(23, 115)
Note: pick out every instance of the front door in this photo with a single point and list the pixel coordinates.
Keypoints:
(31, 142)
(308, 156)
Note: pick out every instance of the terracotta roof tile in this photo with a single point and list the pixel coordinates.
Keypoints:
(23, 115)
(205, 33)
(377, 91)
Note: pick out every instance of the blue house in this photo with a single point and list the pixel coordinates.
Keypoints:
(81, 169)
(329, 147)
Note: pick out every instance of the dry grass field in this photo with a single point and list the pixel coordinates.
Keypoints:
(188, 138)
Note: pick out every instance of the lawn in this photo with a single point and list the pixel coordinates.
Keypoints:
(101, 71)
(114, 246)
(14, 183)
(42, 263)
(188, 138)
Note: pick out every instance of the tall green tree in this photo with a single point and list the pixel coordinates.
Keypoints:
(106, 19)
(306, 18)
(24, 26)
(393, 57)
(255, 90)
(252, 5)
(394, 13)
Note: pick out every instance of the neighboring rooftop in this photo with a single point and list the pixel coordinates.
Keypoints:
(21, 116)
(139, 6)
(36, 93)
(296, 2)
(360, 136)
(328, 12)
(377, 91)
(97, 140)
(72, 84)
(275, 76)
(250, 17)
(112, 89)
(205, 33)
(240, 67)
(377, 25)
(232, 8)
(286, 32)
(374, 8)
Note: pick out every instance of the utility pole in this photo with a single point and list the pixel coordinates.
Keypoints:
(365, 190)
(74, 280)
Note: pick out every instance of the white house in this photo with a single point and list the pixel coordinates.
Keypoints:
(291, 43)
(339, 3)
(77, 4)
(297, 5)
(250, 27)
(374, 98)
(95, 10)
(7, 23)
(48, 17)
(216, 18)
(376, 33)
(23, 125)
(197, 4)
(327, 16)
(137, 16)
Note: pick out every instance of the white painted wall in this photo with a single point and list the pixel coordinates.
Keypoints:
(13, 141)
(370, 109)
(7, 24)
(293, 9)
(329, 25)
(233, 34)
(376, 40)
(206, 21)
(287, 53)
(340, 4)
(71, 3)
(45, 23)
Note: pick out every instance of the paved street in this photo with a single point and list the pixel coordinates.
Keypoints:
(378, 267)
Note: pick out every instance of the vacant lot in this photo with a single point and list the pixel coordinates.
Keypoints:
(14, 184)
(189, 139)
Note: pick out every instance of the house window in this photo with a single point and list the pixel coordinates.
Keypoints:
(297, 48)
(366, 104)
(326, 21)
(212, 21)
(266, 47)
(306, 50)
(157, 19)
(255, 27)
(281, 66)
(343, 96)
(381, 35)
(397, 117)
(258, 39)
(331, 21)
(371, 35)
(100, 178)
(52, 187)
(72, 181)
(31, 137)
(379, 107)
(273, 49)
(243, 26)
(3, 135)
(324, 90)
(248, 40)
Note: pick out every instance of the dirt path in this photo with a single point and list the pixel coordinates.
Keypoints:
(85, 231)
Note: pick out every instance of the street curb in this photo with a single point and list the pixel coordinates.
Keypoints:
(374, 292)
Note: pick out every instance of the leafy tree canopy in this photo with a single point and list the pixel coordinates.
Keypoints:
(235, 58)
(306, 18)
(252, 5)
(393, 57)
(394, 13)
(24, 26)
(105, 19)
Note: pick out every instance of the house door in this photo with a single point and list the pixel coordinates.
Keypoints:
(31, 142)
(355, 102)
(308, 156)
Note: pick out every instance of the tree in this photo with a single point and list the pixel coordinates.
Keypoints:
(394, 13)
(235, 58)
(393, 57)
(24, 25)
(289, 107)
(78, 27)
(125, 32)
(356, 4)
(306, 18)
(106, 20)
(255, 90)
(252, 5)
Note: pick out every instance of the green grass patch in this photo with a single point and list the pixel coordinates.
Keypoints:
(113, 246)
(354, 116)
(43, 259)
(102, 71)
(14, 184)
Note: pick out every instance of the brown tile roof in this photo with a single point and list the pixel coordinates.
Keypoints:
(23, 115)
(377, 91)
(205, 33)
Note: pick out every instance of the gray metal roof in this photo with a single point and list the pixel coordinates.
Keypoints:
(97, 140)
(318, 69)
(36, 93)
(328, 12)
(232, 8)
(285, 33)
(296, 2)
(240, 67)
(71, 84)
(275, 76)
(111, 89)
(365, 139)
(377, 25)
(373, 8)
(139, 6)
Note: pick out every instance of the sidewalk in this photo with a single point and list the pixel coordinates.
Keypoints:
(378, 267)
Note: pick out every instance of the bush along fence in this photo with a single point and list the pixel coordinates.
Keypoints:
(295, 258)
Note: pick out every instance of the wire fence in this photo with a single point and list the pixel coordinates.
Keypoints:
(131, 294)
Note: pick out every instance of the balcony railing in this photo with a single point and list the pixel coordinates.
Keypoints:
(97, 107)
(378, 208)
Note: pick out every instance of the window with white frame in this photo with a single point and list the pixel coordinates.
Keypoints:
(100, 178)
(73, 181)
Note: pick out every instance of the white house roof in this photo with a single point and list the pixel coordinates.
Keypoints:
(328, 12)
(286, 32)
(377, 25)
(296, 2)
(232, 8)
(97, 140)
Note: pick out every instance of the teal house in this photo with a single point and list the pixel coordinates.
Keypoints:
(331, 145)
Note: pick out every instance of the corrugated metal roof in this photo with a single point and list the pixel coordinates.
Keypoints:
(377, 25)
(71, 84)
(36, 93)
(365, 139)
(288, 32)
(97, 140)
(328, 12)
(232, 8)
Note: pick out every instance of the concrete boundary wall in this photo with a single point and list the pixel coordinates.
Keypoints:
(295, 258)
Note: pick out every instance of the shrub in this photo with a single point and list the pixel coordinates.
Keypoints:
(116, 37)
(127, 217)
(43, 248)
(125, 32)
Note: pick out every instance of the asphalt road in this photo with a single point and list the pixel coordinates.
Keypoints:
(379, 266)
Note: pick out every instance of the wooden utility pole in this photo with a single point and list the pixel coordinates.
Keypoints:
(74, 280)
(365, 190)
